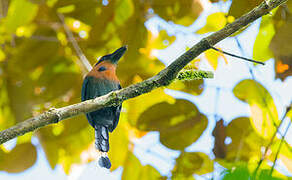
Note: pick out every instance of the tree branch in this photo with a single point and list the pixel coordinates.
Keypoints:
(75, 45)
(163, 78)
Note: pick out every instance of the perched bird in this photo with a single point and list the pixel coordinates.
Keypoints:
(99, 81)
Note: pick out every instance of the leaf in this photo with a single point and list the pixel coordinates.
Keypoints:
(141, 172)
(239, 7)
(285, 153)
(282, 49)
(265, 174)
(180, 12)
(6, 116)
(245, 142)
(20, 13)
(84, 10)
(66, 9)
(261, 50)
(212, 57)
(240, 173)
(215, 22)
(160, 41)
(124, 10)
(119, 144)
(66, 147)
(219, 134)
(175, 122)
(264, 115)
(134, 107)
(49, 75)
(194, 87)
(136, 62)
(189, 163)
(20, 158)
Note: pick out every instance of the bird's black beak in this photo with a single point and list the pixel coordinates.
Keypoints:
(116, 56)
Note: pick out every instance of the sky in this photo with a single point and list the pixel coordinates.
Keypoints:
(216, 99)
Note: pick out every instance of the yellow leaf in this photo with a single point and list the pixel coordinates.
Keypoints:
(213, 56)
(2, 55)
(20, 158)
(141, 172)
(264, 115)
(215, 22)
(261, 50)
(239, 7)
(119, 144)
(66, 9)
(134, 107)
(20, 13)
(124, 10)
(180, 12)
(189, 163)
(174, 122)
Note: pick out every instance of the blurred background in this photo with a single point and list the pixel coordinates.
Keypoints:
(234, 126)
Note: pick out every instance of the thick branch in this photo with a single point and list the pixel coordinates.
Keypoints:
(163, 78)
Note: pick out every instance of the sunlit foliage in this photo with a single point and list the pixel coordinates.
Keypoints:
(39, 69)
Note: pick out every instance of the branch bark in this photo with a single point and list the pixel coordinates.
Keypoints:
(163, 78)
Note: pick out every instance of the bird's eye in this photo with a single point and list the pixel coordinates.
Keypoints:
(102, 68)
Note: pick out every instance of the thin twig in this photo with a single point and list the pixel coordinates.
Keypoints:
(278, 151)
(75, 45)
(236, 56)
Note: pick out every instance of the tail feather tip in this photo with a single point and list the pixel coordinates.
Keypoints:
(104, 162)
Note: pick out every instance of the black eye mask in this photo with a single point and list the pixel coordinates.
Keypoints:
(102, 68)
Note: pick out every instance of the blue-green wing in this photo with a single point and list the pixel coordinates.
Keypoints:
(92, 88)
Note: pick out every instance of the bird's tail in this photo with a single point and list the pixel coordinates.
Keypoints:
(102, 145)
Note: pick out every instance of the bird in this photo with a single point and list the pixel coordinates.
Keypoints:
(99, 81)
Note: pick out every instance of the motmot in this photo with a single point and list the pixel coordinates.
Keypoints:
(99, 81)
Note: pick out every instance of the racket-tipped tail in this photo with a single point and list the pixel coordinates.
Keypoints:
(102, 145)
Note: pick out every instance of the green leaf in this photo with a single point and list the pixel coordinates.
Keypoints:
(264, 115)
(180, 124)
(240, 173)
(189, 163)
(265, 174)
(215, 22)
(20, 158)
(20, 13)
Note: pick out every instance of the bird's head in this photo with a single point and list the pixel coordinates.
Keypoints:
(114, 57)
(105, 68)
